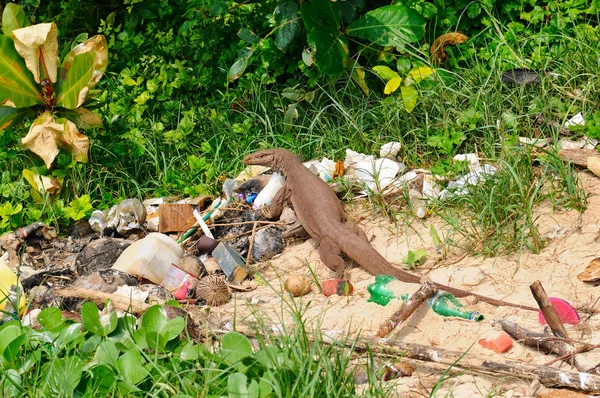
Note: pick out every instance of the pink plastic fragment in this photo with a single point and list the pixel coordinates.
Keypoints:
(566, 313)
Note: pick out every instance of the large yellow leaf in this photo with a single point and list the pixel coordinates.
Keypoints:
(46, 135)
(392, 85)
(38, 45)
(41, 184)
(410, 97)
(418, 74)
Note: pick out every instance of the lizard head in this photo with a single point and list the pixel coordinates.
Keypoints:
(276, 158)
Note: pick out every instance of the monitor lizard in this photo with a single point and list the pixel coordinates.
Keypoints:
(322, 216)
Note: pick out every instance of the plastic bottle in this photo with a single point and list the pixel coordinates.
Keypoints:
(380, 292)
(445, 304)
(156, 258)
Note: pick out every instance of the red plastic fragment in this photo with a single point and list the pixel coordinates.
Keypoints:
(565, 311)
(341, 287)
(499, 344)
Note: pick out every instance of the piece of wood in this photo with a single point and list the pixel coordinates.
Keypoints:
(544, 342)
(409, 306)
(548, 376)
(175, 217)
(119, 302)
(539, 294)
(578, 156)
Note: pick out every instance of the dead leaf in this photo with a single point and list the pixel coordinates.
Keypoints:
(97, 47)
(38, 45)
(438, 48)
(46, 135)
(591, 273)
(41, 184)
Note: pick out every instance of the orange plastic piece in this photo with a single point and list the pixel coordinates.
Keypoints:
(499, 344)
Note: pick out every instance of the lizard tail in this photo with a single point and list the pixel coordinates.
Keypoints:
(368, 258)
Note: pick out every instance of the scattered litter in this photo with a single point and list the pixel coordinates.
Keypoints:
(556, 231)
(265, 197)
(584, 143)
(324, 168)
(499, 344)
(133, 293)
(268, 242)
(380, 293)
(445, 304)
(390, 150)
(460, 185)
(417, 203)
(565, 311)
(520, 76)
(175, 217)
(297, 285)
(471, 159)
(577, 120)
(341, 287)
(230, 262)
(126, 218)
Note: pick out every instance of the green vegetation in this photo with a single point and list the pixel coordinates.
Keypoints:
(105, 355)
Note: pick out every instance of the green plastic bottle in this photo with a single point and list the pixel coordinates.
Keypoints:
(445, 304)
(380, 293)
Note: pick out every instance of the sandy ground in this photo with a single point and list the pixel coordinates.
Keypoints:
(506, 277)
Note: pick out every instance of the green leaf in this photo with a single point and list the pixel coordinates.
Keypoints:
(64, 375)
(130, 367)
(17, 87)
(330, 49)
(247, 35)
(290, 115)
(237, 388)
(358, 75)
(173, 328)
(410, 96)
(393, 25)
(9, 116)
(50, 317)
(415, 258)
(11, 382)
(235, 347)
(286, 15)
(106, 353)
(7, 335)
(418, 74)
(154, 319)
(79, 208)
(73, 83)
(80, 71)
(239, 66)
(385, 73)
(13, 18)
(90, 316)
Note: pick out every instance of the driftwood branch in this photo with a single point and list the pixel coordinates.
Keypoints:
(545, 343)
(119, 302)
(539, 294)
(407, 308)
(548, 376)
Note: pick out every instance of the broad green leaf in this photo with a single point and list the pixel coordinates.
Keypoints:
(77, 79)
(189, 352)
(417, 75)
(173, 328)
(11, 381)
(236, 386)
(90, 316)
(247, 35)
(103, 379)
(17, 87)
(239, 66)
(130, 367)
(410, 97)
(106, 353)
(235, 347)
(9, 334)
(286, 15)
(265, 387)
(330, 49)
(38, 45)
(320, 13)
(13, 18)
(9, 115)
(82, 117)
(50, 317)
(64, 375)
(12, 349)
(392, 85)
(385, 73)
(293, 94)
(154, 318)
(307, 57)
(393, 25)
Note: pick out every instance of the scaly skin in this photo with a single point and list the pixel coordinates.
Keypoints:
(323, 217)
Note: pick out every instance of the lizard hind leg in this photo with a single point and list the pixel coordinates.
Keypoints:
(330, 255)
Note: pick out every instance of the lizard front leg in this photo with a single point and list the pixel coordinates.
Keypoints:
(330, 255)
(278, 203)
